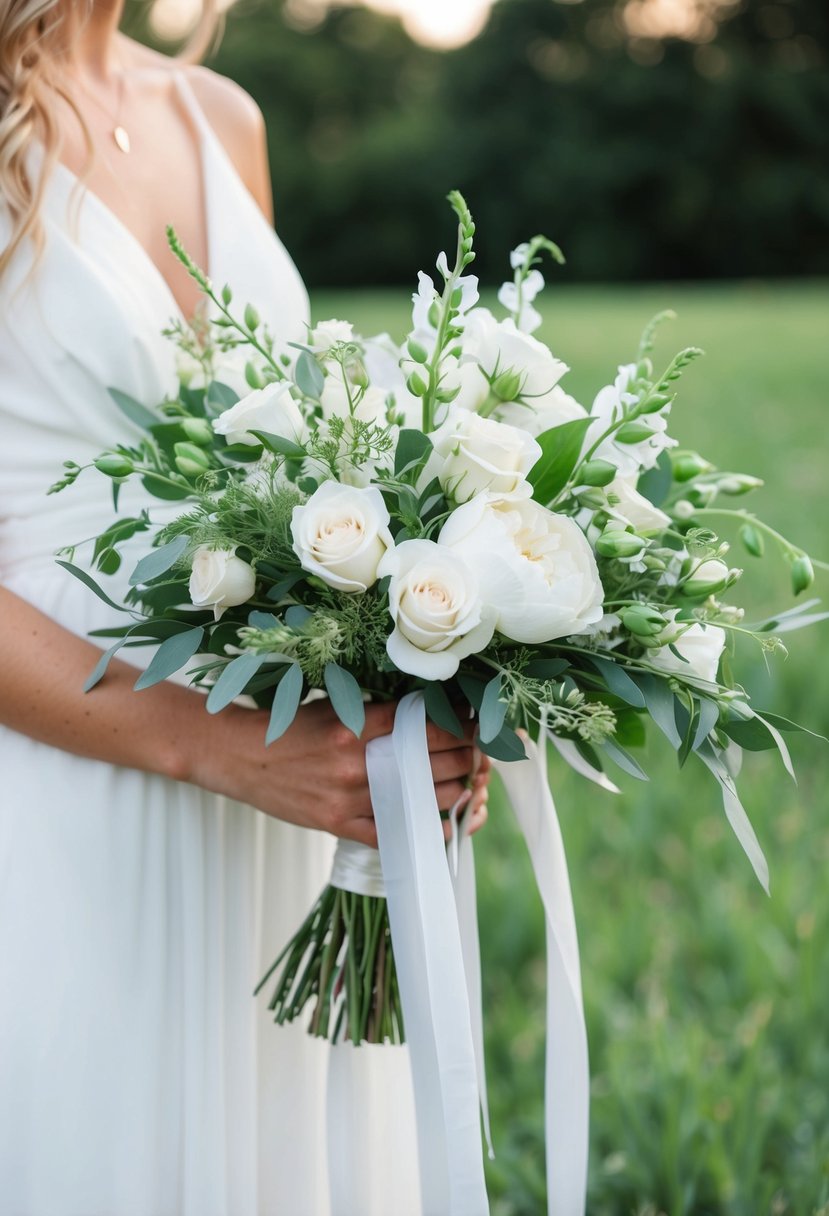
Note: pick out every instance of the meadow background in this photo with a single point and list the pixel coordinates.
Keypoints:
(678, 151)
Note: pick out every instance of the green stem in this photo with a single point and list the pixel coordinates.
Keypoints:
(747, 518)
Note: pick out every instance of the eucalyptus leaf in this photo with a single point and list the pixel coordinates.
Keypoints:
(709, 714)
(735, 813)
(159, 561)
(281, 589)
(346, 697)
(659, 701)
(309, 377)
(493, 711)
(296, 616)
(625, 761)
(170, 657)
(137, 413)
(99, 670)
(546, 669)
(89, 582)
(506, 745)
(618, 681)
(233, 681)
(221, 395)
(440, 709)
(285, 703)
(472, 688)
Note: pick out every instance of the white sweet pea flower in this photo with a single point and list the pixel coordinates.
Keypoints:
(220, 580)
(526, 318)
(474, 454)
(633, 508)
(271, 409)
(541, 413)
(700, 646)
(327, 334)
(630, 458)
(518, 256)
(501, 349)
(341, 534)
(536, 569)
(438, 615)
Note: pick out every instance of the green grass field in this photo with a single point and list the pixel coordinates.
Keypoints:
(707, 1003)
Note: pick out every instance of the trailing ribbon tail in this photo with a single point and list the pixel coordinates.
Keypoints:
(567, 1077)
(430, 967)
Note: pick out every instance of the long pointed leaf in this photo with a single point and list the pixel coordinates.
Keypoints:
(346, 697)
(89, 582)
(736, 815)
(137, 413)
(285, 703)
(159, 561)
(170, 656)
(233, 681)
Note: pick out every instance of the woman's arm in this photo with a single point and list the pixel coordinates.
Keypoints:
(314, 776)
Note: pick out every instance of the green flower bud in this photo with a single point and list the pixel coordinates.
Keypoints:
(708, 578)
(752, 539)
(114, 465)
(227, 295)
(592, 498)
(507, 386)
(434, 314)
(616, 543)
(802, 573)
(633, 432)
(417, 352)
(740, 483)
(643, 621)
(644, 370)
(446, 395)
(190, 460)
(685, 464)
(251, 317)
(198, 431)
(597, 473)
(417, 385)
(655, 402)
(253, 377)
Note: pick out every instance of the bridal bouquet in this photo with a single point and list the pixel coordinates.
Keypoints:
(365, 520)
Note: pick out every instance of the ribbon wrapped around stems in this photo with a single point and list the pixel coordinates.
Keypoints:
(434, 927)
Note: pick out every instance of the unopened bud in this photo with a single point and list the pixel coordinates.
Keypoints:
(114, 466)
(417, 385)
(251, 317)
(597, 473)
(253, 377)
(706, 579)
(752, 539)
(643, 621)
(190, 460)
(654, 402)
(740, 483)
(685, 465)
(507, 386)
(616, 543)
(802, 573)
(198, 431)
(633, 432)
(417, 352)
(227, 295)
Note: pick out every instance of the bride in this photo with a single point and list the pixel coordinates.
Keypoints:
(152, 858)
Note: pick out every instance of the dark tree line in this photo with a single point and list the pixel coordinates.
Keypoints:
(644, 158)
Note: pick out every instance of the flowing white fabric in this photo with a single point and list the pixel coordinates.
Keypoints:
(138, 1076)
(438, 964)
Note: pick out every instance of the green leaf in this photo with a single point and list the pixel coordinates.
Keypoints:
(618, 681)
(170, 656)
(413, 448)
(241, 453)
(546, 669)
(473, 689)
(709, 715)
(221, 395)
(99, 670)
(89, 582)
(506, 745)
(278, 445)
(440, 710)
(659, 701)
(346, 697)
(625, 762)
(752, 736)
(233, 681)
(296, 616)
(630, 728)
(159, 561)
(160, 488)
(109, 561)
(309, 376)
(280, 589)
(262, 620)
(785, 724)
(493, 711)
(285, 703)
(561, 447)
(138, 414)
(655, 483)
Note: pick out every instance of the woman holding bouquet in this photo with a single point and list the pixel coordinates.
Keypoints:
(140, 895)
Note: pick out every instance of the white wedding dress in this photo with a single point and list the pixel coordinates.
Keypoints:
(138, 1076)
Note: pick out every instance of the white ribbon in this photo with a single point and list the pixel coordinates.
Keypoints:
(434, 926)
(357, 868)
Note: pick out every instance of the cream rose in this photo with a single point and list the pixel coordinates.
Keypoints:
(700, 646)
(541, 413)
(436, 607)
(341, 534)
(271, 409)
(536, 568)
(475, 454)
(220, 580)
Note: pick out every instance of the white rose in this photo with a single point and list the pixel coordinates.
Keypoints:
(341, 534)
(499, 347)
(271, 409)
(329, 334)
(436, 607)
(479, 454)
(541, 413)
(700, 646)
(220, 580)
(608, 407)
(633, 508)
(536, 568)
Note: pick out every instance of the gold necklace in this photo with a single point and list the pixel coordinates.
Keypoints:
(120, 135)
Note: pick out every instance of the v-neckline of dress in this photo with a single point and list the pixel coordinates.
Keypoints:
(203, 138)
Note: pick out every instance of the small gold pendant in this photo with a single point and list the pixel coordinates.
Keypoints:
(121, 138)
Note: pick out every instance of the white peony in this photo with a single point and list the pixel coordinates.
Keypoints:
(630, 458)
(536, 568)
(271, 409)
(220, 580)
(474, 454)
(633, 508)
(700, 646)
(541, 413)
(499, 347)
(436, 607)
(341, 534)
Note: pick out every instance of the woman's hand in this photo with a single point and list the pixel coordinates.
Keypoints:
(315, 775)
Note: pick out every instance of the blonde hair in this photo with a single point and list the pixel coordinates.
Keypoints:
(35, 36)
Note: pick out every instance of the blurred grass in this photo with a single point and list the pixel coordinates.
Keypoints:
(707, 1003)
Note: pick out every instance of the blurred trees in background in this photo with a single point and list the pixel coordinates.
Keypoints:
(645, 157)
